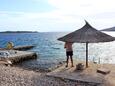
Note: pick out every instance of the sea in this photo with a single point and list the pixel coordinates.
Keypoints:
(51, 51)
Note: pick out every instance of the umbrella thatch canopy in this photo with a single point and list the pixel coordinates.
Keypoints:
(87, 34)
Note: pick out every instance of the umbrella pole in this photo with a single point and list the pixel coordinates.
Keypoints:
(86, 54)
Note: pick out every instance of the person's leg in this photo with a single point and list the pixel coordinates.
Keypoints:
(71, 61)
(67, 60)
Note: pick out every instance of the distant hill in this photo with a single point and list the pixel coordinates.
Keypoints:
(109, 29)
(19, 32)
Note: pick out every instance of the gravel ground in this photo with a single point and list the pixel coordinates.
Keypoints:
(15, 76)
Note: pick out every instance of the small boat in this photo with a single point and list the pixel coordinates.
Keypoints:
(4, 55)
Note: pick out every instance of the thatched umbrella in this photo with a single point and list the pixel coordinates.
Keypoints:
(87, 34)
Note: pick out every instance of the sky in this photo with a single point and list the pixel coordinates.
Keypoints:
(55, 15)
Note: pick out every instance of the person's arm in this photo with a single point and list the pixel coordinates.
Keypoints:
(65, 45)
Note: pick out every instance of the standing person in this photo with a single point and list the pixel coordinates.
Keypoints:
(69, 52)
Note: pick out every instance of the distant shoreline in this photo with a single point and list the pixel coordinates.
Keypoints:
(19, 32)
(109, 30)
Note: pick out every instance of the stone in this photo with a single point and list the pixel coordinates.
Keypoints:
(80, 66)
(103, 71)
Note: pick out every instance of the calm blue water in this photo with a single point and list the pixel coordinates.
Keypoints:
(47, 45)
(50, 50)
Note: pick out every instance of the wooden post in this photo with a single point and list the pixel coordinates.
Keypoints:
(86, 54)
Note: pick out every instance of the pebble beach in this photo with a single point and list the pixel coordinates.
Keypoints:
(16, 76)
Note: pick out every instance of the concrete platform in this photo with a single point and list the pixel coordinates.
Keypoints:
(88, 75)
(17, 56)
(77, 76)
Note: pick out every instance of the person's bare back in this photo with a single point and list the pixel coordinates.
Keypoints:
(69, 52)
(68, 46)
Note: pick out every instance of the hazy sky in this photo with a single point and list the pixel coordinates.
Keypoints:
(55, 15)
